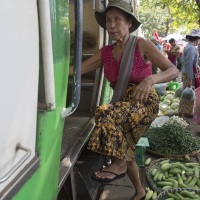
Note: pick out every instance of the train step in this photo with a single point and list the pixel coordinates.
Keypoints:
(83, 185)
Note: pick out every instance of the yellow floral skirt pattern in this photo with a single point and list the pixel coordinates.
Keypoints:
(120, 125)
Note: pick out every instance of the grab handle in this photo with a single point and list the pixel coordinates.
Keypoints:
(47, 53)
(78, 9)
(18, 164)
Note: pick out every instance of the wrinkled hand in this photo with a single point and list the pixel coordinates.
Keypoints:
(142, 90)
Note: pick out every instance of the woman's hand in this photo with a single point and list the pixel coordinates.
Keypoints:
(142, 90)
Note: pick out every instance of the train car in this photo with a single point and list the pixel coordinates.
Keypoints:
(47, 116)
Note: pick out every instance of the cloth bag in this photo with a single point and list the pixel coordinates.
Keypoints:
(126, 66)
(196, 77)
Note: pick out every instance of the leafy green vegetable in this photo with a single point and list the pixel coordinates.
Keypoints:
(172, 138)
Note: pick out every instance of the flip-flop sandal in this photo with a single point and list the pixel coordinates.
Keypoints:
(107, 180)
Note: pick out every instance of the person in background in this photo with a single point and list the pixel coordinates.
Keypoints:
(160, 48)
(199, 52)
(157, 43)
(166, 47)
(174, 51)
(119, 125)
(190, 58)
(179, 63)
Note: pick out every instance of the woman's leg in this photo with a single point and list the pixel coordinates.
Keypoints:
(133, 173)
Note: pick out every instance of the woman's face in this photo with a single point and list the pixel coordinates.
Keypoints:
(116, 24)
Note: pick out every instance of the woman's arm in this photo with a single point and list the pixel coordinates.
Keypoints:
(90, 64)
(169, 71)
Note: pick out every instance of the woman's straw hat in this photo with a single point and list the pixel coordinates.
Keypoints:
(122, 5)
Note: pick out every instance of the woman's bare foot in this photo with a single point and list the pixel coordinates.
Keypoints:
(117, 167)
(139, 194)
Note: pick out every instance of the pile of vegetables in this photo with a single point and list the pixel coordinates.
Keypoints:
(172, 139)
(169, 105)
(150, 194)
(176, 120)
(183, 195)
(171, 174)
(160, 121)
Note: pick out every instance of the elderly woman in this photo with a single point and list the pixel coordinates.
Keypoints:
(190, 58)
(119, 125)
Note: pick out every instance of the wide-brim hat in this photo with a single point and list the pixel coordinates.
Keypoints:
(122, 5)
(194, 33)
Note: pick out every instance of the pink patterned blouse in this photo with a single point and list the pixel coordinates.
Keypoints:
(140, 70)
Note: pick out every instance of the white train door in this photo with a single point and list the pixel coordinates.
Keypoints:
(19, 68)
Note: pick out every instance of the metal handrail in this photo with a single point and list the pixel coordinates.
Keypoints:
(47, 53)
(78, 9)
(18, 164)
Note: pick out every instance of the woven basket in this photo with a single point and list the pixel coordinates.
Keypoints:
(163, 195)
(171, 155)
(155, 165)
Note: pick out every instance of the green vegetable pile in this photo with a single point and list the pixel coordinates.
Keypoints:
(171, 174)
(172, 139)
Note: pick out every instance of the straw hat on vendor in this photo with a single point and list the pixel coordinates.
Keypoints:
(122, 5)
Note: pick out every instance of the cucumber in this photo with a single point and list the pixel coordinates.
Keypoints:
(180, 180)
(189, 178)
(167, 188)
(149, 195)
(153, 172)
(196, 187)
(164, 161)
(147, 162)
(186, 193)
(175, 165)
(183, 177)
(155, 178)
(187, 157)
(193, 182)
(198, 183)
(189, 173)
(154, 197)
(192, 164)
(166, 174)
(175, 171)
(165, 166)
(182, 185)
(196, 171)
(164, 183)
(183, 167)
(160, 176)
(172, 196)
(179, 196)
